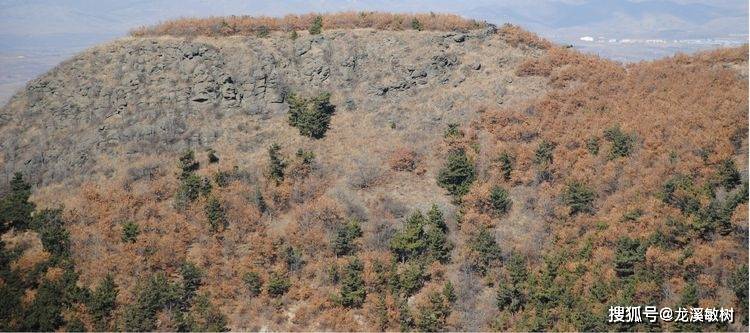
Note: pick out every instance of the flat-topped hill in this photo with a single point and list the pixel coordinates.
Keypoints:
(388, 172)
(155, 95)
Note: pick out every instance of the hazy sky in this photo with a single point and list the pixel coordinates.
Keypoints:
(689, 17)
(35, 35)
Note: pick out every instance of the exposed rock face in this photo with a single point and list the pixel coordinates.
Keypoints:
(155, 95)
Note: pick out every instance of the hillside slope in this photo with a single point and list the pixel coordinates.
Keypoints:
(475, 180)
(151, 95)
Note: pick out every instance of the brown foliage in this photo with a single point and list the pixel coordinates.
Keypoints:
(516, 36)
(403, 159)
(251, 26)
(677, 108)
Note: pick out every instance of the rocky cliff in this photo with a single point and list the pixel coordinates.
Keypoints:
(140, 96)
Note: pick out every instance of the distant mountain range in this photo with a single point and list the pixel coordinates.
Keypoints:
(622, 18)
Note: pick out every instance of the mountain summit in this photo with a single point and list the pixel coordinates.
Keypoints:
(371, 172)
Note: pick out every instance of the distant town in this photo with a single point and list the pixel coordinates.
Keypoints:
(729, 41)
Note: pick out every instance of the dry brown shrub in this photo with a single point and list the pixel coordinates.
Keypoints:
(478, 199)
(675, 108)
(515, 36)
(251, 26)
(564, 65)
(323, 212)
(28, 296)
(645, 291)
(387, 320)
(280, 196)
(534, 67)
(33, 251)
(54, 273)
(403, 159)
(365, 172)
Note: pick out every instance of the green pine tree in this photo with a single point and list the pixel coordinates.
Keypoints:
(317, 26)
(311, 116)
(253, 283)
(500, 200)
(434, 315)
(103, 302)
(215, 213)
(485, 251)
(449, 292)
(188, 164)
(580, 198)
(507, 162)
(130, 232)
(410, 241)
(543, 153)
(622, 143)
(15, 208)
(436, 237)
(352, 285)
(457, 174)
(627, 253)
(278, 285)
(192, 279)
(276, 164)
(343, 243)
(55, 238)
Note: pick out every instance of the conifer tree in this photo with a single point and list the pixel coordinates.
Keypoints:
(260, 202)
(580, 198)
(435, 218)
(55, 238)
(434, 315)
(352, 285)
(449, 292)
(103, 302)
(276, 164)
(438, 245)
(278, 285)
(485, 251)
(45, 311)
(343, 243)
(543, 153)
(727, 174)
(627, 253)
(192, 279)
(622, 143)
(457, 174)
(317, 26)
(253, 283)
(506, 165)
(500, 200)
(15, 208)
(410, 241)
(412, 278)
(188, 164)
(130, 232)
(311, 116)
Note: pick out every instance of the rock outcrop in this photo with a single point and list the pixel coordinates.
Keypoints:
(155, 95)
